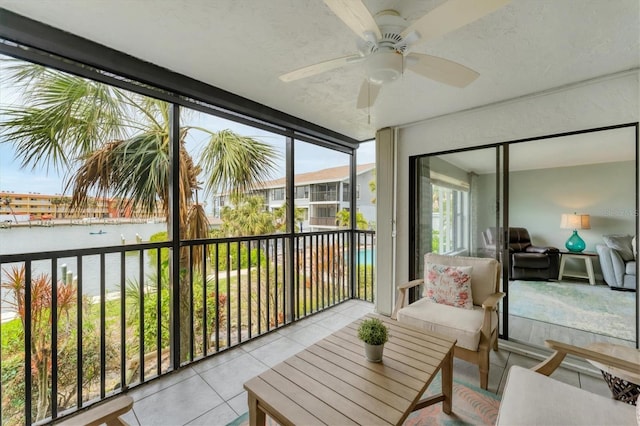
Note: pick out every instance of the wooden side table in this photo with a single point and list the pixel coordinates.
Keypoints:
(587, 256)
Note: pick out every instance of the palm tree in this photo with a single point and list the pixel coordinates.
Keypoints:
(343, 218)
(6, 201)
(280, 216)
(372, 187)
(118, 143)
(248, 216)
(57, 201)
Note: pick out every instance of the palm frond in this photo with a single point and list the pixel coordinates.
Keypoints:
(197, 227)
(135, 171)
(236, 164)
(66, 117)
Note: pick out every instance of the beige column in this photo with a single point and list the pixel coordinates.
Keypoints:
(385, 221)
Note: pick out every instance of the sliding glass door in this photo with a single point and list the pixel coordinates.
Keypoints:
(455, 204)
(508, 202)
(557, 291)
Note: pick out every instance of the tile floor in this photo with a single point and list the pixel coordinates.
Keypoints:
(210, 392)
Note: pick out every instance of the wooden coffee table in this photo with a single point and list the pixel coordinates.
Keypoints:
(332, 383)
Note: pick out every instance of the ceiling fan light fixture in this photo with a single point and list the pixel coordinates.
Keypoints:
(383, 67)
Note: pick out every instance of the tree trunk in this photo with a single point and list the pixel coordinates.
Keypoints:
(185, 306)
(42, 379)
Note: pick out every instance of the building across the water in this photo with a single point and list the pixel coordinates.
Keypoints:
(320, 194)
(36, 206)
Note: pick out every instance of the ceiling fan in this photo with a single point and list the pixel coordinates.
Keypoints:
(387, 40)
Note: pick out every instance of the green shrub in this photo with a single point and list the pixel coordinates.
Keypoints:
(373, 332)
(164, 253)
(243, 257)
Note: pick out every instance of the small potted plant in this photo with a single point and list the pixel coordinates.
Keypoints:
(374, 334)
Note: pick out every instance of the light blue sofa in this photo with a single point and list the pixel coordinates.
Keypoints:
(618, 262)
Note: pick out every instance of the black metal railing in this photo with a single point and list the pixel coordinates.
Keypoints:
(100, 319)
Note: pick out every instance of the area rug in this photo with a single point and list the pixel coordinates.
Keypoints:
(471, 406)
(595, 309)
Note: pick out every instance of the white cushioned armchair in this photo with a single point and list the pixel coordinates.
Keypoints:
(530, 397)
(476, 329)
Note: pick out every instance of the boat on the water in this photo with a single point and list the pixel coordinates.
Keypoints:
(100, 232)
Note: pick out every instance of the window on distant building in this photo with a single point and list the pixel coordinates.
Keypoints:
(302, 192)
(277, 194)
(346, 193)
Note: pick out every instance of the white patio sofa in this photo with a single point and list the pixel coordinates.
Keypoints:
(530, 397)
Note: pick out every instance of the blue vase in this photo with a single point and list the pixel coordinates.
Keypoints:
(575, 243)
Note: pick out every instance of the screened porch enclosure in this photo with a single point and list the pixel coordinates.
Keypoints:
(87, 322)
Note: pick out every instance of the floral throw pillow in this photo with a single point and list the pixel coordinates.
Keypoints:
(449, 285)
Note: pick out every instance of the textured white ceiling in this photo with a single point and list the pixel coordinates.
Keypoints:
(242, 46)
(606, 146)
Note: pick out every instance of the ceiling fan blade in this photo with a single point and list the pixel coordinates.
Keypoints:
(368, 94)
(440, 69)
(451, 15)
(320, 68)
(356, 16)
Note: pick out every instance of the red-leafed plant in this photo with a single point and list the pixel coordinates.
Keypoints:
(41, 324)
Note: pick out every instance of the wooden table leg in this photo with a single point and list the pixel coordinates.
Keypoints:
(447, 383)
(256, 415)
(590, 274)
(563, 260)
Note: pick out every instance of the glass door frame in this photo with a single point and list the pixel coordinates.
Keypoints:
(502, 208)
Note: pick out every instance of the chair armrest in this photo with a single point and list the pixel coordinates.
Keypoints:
(543, 250)
(410, 284)
(491, 302)
(612, 265)
(402, 296)
(104, 413)
(489, 305)
(549, 365)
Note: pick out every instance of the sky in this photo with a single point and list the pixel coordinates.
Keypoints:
(308, 157)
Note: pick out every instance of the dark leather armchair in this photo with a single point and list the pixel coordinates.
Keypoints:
(529, 262)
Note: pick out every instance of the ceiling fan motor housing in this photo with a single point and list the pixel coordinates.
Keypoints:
(384, 63)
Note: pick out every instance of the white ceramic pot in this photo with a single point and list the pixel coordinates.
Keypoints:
(373, 353)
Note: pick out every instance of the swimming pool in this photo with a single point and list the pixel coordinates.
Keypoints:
(366, 256)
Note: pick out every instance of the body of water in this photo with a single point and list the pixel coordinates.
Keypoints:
(17, 240)
(23, 239)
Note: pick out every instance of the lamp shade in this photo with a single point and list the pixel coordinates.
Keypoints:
(575, 221)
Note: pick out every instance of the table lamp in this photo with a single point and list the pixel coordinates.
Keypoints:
(575, 221)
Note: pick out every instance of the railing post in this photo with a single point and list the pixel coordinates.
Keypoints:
(289, 249)
(353, 252)
(174, 235)
(27, 346)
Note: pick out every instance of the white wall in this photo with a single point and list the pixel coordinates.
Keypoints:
(538, 198)
(606, 101)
